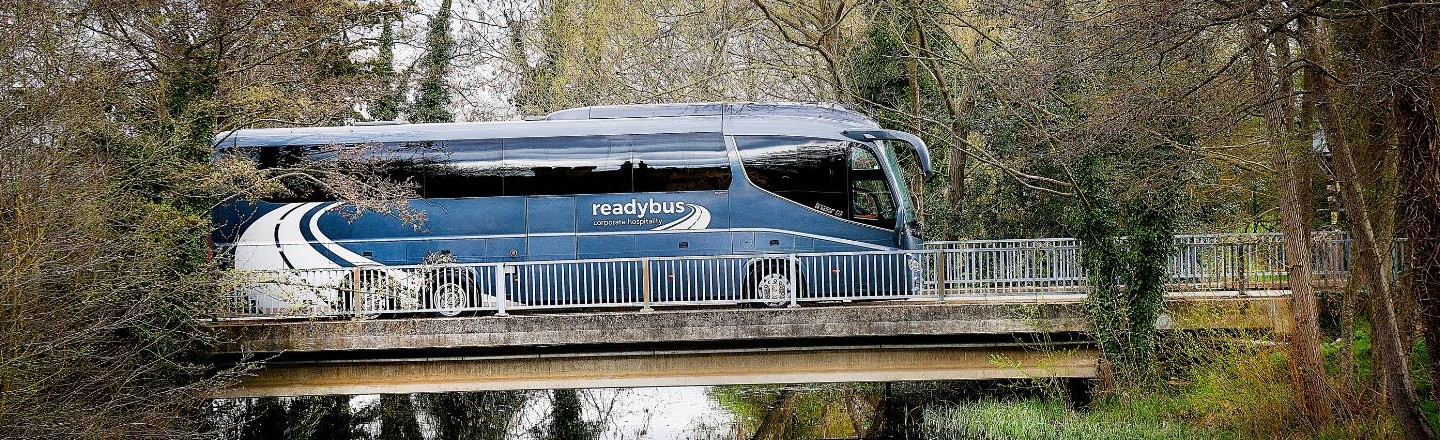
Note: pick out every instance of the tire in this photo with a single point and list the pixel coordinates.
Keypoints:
(450, 292)
(770, 283)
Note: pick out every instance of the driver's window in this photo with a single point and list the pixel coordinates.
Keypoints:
(870, 198)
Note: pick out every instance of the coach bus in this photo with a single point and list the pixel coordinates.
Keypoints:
(748, 180)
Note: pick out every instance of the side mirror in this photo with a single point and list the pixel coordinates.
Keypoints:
(916, 145)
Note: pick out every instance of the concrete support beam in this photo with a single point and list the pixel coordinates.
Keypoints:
(851, 364)
(967, 339)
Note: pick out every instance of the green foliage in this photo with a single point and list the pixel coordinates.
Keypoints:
(1220, 384)
(105, 152)
(1419, 358)
(100, 296)
(386, 107)
(883, 66)
(432, 104)
(995, 207)
(1126, 242)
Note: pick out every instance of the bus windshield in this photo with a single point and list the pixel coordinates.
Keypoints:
(902, 192)
(842, 179)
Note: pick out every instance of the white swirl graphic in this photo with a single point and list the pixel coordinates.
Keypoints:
(698, 218)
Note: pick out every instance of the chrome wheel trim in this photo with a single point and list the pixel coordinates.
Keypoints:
(449, 299)
(774, 288)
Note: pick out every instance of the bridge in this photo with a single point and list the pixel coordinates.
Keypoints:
(978, 310)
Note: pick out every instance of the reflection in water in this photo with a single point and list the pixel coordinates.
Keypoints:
(566, 422)
(397, 417)
(851, 410)
(806, 411)
(478, 415)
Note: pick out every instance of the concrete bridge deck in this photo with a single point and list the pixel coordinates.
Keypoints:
(1014, 337)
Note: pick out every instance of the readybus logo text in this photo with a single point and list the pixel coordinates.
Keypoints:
(696, 216)
(637, 208)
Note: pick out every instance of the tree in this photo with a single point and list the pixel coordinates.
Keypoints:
(1395, 368)
(109, 114)
(387, 106)
(1274, 91)
(433, 94)
(1126, 243)
(1414, 48)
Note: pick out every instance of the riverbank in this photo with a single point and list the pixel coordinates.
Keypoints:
(1237, 389)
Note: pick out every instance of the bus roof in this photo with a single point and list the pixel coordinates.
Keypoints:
(598, 120)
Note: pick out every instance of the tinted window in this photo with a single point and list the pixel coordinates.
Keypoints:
(565, 165)
(299, 188)
(871, 202)
(518, 167)
(811, 172)
(396, 162)
(464, 168)
(842, 179)
(679, 162)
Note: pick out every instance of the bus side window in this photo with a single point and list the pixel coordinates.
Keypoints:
(298, 188)
(565, 165)
(872, 202)
(679, 162)
(464, 168)
(811, 172)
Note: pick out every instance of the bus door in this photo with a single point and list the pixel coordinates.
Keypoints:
(550, 227)
(549, 236)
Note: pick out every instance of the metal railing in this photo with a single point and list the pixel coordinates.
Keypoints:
(944, 270)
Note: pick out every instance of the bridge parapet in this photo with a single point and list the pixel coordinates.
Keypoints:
(945, 270)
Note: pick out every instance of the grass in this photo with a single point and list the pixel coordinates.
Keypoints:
(1051, 419)
(1219, 386)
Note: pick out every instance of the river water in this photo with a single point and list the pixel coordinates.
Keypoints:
(776, 411)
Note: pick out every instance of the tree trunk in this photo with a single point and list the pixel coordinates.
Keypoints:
(955, 109)
(1412, 45)
(1395, 366)
(917, 183)
(1347, 335)
(1307, 368)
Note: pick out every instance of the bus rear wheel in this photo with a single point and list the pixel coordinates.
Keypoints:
(370, 291)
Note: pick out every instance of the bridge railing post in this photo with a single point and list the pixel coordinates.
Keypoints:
(794, 281)
(940, 274)
(645, 285)
(1241, 279)
(355, 303)
(501, 288)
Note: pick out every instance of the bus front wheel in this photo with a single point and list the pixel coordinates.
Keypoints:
(450, 294)
(771, 284)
